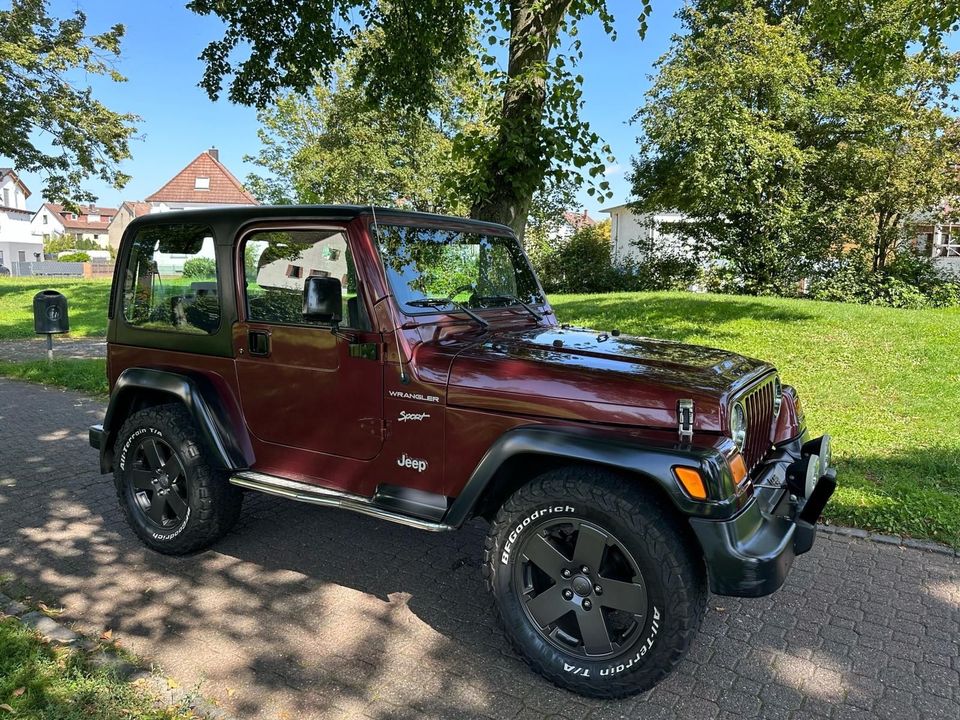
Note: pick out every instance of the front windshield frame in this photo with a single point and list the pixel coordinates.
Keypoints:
(521, 264)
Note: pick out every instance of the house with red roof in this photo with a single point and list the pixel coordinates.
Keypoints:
(87, 222)
(204, 182)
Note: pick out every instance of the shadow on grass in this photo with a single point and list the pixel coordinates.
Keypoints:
(674, 317)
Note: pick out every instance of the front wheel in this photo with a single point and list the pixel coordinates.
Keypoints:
(594, 583)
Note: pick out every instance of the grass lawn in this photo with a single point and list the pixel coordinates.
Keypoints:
(885, 383)
(38, 680)
(84, 375)
(86, 305)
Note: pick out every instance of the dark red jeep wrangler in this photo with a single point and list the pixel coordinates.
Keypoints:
(409, 367)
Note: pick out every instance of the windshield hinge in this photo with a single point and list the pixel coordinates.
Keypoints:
(685, 419)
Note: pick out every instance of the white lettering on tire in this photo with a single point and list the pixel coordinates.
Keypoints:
(133, 436)
(522, 525)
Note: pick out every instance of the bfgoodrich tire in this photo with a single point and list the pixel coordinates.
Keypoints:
(173, 498)
(594, 582)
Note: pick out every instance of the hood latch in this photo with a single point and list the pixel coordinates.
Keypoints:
(685, 419)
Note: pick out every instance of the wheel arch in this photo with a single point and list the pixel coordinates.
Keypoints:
(524, 452)
(217, 419)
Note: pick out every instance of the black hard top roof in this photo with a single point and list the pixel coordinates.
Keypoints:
(238, 215)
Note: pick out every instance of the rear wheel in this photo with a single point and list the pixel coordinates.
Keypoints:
(596, 586)
(173, 498)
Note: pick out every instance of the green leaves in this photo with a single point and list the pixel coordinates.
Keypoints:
(86, 138)
(782, 152)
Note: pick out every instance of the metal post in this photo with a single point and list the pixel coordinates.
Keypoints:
(50, 347)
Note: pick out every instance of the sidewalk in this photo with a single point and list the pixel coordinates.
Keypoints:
(305, 612)
(63, 349)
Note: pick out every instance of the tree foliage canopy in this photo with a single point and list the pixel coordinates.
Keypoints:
(41, 104)
(781, 149)
(537, 132)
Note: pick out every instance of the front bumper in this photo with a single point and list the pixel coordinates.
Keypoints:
(751, 554)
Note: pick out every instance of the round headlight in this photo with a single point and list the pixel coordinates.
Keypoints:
(777, 396)
(738, 425)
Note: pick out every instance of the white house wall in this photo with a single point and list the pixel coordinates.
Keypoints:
(633, 236)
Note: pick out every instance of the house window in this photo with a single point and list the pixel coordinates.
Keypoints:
(1, 257)
(21, 256)
(319, 273)
(96, 237)
(294, 271)
(201, 183)
(44, 216)
(949, 242)
(6, 197)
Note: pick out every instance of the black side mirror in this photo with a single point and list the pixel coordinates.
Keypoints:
(322, 299)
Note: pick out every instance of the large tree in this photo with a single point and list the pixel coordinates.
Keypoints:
(531, 56)
(781, 148)
(330, 145)
(49, 122)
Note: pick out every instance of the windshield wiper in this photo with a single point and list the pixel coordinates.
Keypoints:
(438, 303)
(514, 299)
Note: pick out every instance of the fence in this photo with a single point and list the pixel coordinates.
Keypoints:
(52, 268)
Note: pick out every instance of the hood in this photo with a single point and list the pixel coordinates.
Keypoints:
(580, 374)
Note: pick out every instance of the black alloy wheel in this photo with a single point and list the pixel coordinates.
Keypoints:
(581, 588)
(159, 483)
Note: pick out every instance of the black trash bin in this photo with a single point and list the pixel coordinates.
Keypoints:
(50, 313)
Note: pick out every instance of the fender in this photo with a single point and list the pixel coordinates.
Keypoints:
(652, 461)
(198, 396)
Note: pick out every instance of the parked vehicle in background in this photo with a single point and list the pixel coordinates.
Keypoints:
(409, 367)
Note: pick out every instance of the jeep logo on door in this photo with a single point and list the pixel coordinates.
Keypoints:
(412, 463)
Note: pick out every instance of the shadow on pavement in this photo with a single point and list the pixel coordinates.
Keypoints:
(304, 612)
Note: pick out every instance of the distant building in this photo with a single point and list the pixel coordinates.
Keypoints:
(89, 222)
(570, 223)
(17, 244)
(125, 213)
(634, 236)
(204, 182)
(942, 243)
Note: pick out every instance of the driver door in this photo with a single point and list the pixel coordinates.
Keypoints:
(301, 384)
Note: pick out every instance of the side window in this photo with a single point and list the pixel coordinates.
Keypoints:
(277, 263)
(170, 282)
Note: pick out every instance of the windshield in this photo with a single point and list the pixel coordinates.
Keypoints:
(472, 269)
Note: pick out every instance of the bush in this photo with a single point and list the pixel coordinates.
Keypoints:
(660, 271)
(909, 281)
(74, 257)
(199, 267)
(582, 265)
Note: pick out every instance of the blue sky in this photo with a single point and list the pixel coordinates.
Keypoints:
(160, 51)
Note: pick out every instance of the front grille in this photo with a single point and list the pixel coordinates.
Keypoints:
(758, 406)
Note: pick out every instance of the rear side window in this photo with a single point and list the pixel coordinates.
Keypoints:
(170, 282)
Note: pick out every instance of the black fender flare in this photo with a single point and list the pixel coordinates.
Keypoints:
(653, 461)
(200, 398)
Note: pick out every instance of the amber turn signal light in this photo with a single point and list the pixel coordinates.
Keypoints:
(692, 482)
(739, 468)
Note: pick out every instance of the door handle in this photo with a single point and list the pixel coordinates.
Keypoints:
(259, 342)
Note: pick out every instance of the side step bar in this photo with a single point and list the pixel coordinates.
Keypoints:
(304, 492)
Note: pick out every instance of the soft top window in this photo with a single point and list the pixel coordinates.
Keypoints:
(170, 281)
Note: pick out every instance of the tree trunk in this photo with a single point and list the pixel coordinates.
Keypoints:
(517, 163)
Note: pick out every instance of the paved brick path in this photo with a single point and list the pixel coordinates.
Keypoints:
(311, 613)
(63, 348)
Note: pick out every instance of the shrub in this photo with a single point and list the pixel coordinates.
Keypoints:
(909, 281)
(199, 267)
(582, 265)
(75, 257)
